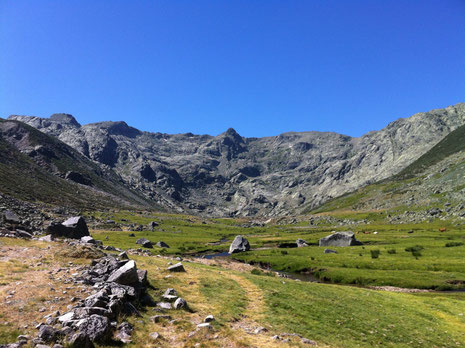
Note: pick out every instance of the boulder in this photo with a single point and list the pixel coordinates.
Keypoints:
(340, 239)
(126, 274)
(80, 340)
(301, 243)
(145, 243)
(47, 333)
(176, 268)
(162, 245)
(239, 244)
(329, 251)
(96, 327)
(74, 227)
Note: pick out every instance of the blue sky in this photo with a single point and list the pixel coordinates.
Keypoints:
(262, 67)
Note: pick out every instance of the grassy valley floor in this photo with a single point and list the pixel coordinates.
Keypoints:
(242, 298)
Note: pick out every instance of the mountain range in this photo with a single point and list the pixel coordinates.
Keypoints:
(224, 175)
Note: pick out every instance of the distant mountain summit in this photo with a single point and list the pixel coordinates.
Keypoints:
(230, 175)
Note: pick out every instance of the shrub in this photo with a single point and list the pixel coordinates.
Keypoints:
(284, 252)
(374, 253)
(453, 244)
(392, 251)
(413, 249)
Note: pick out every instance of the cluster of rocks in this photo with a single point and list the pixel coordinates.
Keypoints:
(120, 290)
(12, 225)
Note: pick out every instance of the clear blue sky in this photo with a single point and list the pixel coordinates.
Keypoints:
(261, 66)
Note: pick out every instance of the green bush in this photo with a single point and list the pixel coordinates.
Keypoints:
(392, 251)
(453, 244)
(375, 253)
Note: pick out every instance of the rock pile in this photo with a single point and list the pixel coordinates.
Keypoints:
(120, 288)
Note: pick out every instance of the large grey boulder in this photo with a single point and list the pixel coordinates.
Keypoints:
(239, 244)
(126, 274)
(74, 227)
(340, 239)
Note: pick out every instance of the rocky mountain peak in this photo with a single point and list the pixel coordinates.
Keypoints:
(65, 119)
(116, 128)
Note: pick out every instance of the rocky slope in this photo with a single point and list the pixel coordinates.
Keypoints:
(232, 175)
(38, 167)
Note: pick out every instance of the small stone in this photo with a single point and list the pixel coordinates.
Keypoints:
(180, 303)
(176, 268)
(204, 326)
(209, 318)
(154, 335)
(164, 305)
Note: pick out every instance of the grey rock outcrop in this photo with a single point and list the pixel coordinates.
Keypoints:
(239, 244)
(340, 239)
(301, 243)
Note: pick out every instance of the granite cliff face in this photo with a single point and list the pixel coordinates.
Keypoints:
(231, 175)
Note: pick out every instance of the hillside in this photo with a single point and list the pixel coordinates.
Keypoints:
(38, 167)
(435, 180)
(229, 175)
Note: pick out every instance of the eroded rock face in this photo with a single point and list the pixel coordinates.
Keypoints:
(340, 239)
(239, 244)
(232, 175)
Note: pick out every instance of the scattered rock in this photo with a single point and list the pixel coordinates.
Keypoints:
(301, 243)
(329, 251)
(162, 245)
(145, 243)
(176, 268)
(180, 303)
(209, 318)
(88, 239)
(154, 335)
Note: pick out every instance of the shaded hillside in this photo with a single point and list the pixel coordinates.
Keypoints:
(38, 167)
